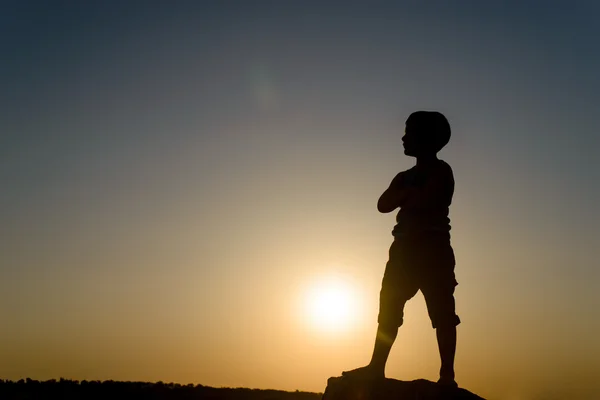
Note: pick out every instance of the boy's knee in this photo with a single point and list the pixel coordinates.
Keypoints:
(445, 321)
(389, 322)
(387, 332)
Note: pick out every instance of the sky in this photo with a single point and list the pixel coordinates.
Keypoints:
(178, 177)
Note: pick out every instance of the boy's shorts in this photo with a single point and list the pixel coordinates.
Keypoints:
(427, 264)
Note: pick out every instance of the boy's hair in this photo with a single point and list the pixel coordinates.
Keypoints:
(432, 123)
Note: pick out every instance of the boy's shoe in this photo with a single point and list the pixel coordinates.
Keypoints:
(447, 383)
(364, 373)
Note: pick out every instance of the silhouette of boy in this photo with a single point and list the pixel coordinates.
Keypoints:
(420, 257)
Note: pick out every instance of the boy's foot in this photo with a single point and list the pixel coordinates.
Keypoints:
(447, 383)
(366, 373)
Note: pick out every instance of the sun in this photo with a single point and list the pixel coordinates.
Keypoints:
(332, 305)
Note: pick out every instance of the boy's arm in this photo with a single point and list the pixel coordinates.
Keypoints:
(395, 195)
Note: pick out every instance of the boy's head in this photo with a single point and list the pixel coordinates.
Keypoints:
(426, 133)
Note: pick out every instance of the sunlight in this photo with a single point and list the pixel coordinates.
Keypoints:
(331, 305)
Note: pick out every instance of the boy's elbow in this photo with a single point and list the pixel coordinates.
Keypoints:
(384, 208)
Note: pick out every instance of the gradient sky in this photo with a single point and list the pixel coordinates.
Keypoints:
(174, 175)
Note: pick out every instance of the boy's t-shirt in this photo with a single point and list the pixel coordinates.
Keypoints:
(432, 216)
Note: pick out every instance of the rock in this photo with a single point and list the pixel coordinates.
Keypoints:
(345, 388)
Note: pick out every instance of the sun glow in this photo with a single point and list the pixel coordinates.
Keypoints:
(332, 305)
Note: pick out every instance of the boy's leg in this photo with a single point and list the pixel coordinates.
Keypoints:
(446, 338)
(386, 335)
(438, 284)
(398, 286)
(383, 345)
(439, 297)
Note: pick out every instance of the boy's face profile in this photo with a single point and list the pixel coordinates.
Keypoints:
(414, 140)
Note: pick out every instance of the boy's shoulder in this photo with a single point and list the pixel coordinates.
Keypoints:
(439, 167)
(444, 164)
(445, 170)
(441, 170)
(438, 173)
(446, 167)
